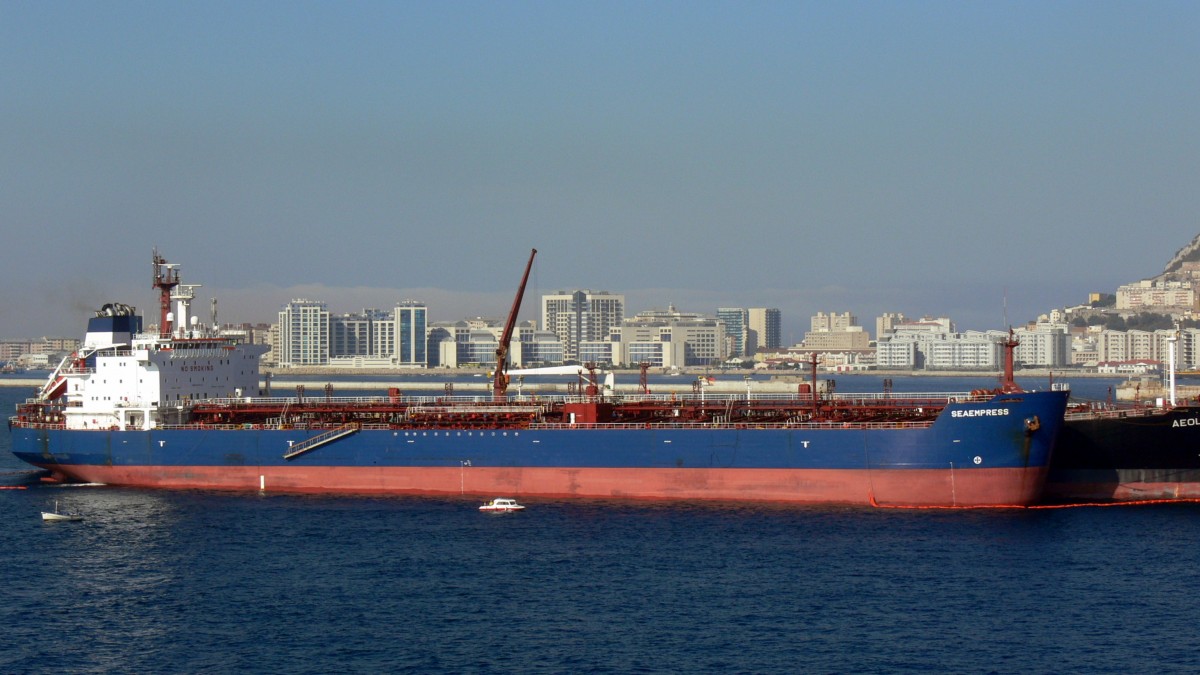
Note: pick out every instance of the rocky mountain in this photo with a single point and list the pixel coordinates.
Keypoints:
(1189, 253)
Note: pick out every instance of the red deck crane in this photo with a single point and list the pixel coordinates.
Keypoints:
(500, 379)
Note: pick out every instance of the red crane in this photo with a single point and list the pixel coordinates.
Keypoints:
(500, 379)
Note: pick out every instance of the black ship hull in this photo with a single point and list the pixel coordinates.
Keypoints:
(1127, 455)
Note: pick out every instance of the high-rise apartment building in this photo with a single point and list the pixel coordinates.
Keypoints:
(310, 336)
(304, 334)
(409, 321)
(832, 321)
(765, 329)
(581, 316)
(737, 329)
(886, 324)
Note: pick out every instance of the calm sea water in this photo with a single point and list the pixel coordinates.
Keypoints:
(192, 581)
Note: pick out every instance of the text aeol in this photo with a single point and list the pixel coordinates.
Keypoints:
(1189, 422)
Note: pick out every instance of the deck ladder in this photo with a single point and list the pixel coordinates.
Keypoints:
(317, 441)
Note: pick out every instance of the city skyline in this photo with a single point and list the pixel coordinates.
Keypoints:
(793, 327)
(986, 162)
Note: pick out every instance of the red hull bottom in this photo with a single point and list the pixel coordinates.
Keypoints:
(907, 487)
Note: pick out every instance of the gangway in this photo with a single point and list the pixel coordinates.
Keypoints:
(317, 441)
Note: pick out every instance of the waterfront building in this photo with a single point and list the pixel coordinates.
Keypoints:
(1130, 345)
(765, 331)
(473, 343)
(35, 353)
(837, 341)
(600, 352)
(580, 316)
(1045, 345)
(825, 323)
(441, 334)
(356, 335)
(836, 333)
(1128, 368)
(1158, 296)
(671, 338)
(886, 323)
(535, 348)
(465, 343)
(1083, 348)
(1188, 350)
(408, 327)
(972, 350)
(304, 334)
(655, 344)
(737, 329)
(1138, 345)
(897, 355)
(931, 344)
(310, 336)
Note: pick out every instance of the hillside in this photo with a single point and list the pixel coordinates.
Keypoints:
(1189, 253)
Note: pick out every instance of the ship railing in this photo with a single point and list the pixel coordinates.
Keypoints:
(36, 425)
(524, 402)
(1112, 414)
(471, 410)
(293, 400)
(673, 426)
(302, 426)
(787, 397)
(410, 401)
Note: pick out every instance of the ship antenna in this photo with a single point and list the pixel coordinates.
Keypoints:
(1006, 323)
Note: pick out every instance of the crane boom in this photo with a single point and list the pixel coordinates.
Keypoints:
(500, 379)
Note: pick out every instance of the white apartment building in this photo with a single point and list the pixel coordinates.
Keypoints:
(969, 351)
(580, 316)
(1162, 296)
(1138, 345)
(896, 354)
(670, 338)
(310, 336)
(1046, 345)
(303, 334)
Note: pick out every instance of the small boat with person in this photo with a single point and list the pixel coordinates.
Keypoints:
(502, 505)
(57, 516)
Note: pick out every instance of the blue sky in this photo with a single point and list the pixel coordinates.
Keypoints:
(945, 158)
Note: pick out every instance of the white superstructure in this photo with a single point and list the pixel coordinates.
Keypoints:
(125, 378)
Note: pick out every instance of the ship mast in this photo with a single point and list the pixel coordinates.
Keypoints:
(1009, 384)
(500, 378)
(166, 278)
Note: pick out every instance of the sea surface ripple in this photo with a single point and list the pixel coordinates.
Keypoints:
(210, 582)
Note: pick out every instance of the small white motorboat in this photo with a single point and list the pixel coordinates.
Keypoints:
(57, 516)
(502, 505)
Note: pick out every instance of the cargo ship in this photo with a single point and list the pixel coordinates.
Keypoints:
(180, 407)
